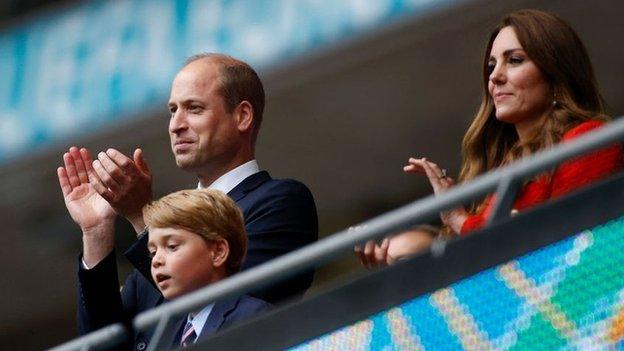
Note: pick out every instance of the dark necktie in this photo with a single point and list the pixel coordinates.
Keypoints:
(188, 336)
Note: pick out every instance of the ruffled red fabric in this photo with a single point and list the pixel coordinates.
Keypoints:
(569, 176)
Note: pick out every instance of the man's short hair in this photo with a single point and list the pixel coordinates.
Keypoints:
(238, 82)
(206, 212)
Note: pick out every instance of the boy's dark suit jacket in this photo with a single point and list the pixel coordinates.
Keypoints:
(222, 315)
(280, 216)
(96, 309)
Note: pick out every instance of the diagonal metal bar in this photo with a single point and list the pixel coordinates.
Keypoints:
(109, 336)
(505, 196)
(159, 342)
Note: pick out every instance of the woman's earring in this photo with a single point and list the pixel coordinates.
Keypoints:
(554, 102)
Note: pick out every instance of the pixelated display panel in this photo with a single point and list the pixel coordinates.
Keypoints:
(566, 296)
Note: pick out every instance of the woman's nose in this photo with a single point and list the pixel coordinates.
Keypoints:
(498, 74)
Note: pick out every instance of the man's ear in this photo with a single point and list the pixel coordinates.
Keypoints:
(220, 252)
(244, 116)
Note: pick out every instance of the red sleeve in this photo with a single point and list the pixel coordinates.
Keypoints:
(570, 175)
(580, 171)
(472, 223)
(477, 221)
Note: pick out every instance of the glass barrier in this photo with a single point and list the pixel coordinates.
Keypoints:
(568, 295)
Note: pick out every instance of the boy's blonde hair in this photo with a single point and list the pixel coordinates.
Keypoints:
(206, 212)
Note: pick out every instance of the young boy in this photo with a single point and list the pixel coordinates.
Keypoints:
(196, 238)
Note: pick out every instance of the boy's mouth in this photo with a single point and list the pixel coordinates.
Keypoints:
(160, 278)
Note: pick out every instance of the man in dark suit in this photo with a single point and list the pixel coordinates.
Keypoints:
(216, 108)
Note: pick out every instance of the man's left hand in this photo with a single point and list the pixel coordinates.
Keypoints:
(125, 183)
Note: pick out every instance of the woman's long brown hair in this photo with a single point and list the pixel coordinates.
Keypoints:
(558, 52)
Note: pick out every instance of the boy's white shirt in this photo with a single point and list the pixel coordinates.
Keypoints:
(199, 320)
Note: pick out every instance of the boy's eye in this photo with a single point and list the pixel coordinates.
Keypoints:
(152, 254)
(172, 247)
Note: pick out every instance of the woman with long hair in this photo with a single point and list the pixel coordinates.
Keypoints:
(539, 89)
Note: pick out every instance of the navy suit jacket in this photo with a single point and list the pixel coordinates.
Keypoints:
(100, 304)
(222, 315)
(280, 216)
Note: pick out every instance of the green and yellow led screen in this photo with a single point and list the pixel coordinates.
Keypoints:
(566, 296)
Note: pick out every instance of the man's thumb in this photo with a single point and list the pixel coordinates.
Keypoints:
(140, 161)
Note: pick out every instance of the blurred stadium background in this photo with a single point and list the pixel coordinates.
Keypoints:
(354, 87)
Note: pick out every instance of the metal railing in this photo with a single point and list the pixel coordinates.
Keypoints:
(349, 311)
(504, 182)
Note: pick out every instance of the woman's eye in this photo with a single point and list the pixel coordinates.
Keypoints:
(172, 247)
(152, 254)
(490, 67)
(516, 60)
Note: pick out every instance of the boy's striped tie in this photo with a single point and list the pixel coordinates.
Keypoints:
(188, 336)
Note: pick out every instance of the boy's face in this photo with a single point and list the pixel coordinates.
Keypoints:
(182, 261)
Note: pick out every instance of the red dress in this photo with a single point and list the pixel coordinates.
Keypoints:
(567, 177)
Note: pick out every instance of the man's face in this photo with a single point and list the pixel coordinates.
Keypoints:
(182, 261)
(204, 136)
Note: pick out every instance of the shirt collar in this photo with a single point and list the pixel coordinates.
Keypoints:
(231, 179)
(200, 319)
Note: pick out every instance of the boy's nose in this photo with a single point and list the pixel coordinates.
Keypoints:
(157, 260)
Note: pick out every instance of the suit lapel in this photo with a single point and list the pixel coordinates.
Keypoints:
(248, 184)
(217, 317)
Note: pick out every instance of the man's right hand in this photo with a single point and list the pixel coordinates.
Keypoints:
(86, 207)
(126, 184)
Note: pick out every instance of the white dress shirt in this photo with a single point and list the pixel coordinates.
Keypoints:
(231, 179)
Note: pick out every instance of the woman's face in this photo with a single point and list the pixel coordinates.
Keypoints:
(520, 92)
